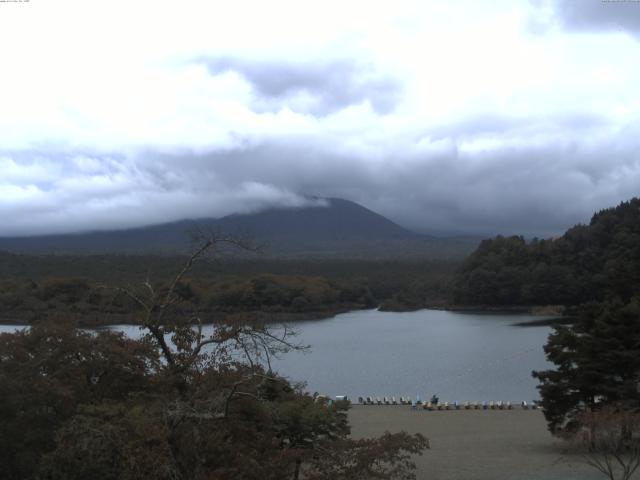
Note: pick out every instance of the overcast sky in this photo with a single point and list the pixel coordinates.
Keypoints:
(470, 116)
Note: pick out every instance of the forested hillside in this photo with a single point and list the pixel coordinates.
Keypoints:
(588, 263)
(83, 287)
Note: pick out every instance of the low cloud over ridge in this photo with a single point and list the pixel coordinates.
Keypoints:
(444, 117)
(462, 179)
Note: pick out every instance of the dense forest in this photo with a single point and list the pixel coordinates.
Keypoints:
(140, 409)
(86, 287)
(594, 270)
(81, 405)
(588, 263)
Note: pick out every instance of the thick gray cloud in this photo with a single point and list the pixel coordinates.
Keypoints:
(598, 14)
(492, 124)
(315, 87)
(73, 191)
(438, 181)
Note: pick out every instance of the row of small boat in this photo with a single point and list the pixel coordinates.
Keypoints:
(492, 405)
(385, 401)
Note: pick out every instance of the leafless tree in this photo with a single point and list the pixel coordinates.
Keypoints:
(609, 441)
(178, 331)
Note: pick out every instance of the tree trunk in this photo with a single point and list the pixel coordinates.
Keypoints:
(296, 473)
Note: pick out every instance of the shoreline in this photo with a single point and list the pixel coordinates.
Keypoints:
(106, 319)
(546, 322)
(536, 310)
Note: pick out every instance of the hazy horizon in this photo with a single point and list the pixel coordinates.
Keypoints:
(304, 204)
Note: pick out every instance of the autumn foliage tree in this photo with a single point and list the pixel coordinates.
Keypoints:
(48, 372)
(176, 404)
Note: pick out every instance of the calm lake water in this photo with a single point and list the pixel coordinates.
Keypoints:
(458, 356)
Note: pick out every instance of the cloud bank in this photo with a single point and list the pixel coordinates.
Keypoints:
(315, 87)
(446, 118)
(598, 15)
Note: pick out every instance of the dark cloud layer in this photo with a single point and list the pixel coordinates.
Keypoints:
(326, 86)
(598, 15)
(435, 182)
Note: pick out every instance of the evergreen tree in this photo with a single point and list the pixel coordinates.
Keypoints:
(595, 262)
(598, 363)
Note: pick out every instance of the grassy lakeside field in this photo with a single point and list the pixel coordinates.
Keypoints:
(477, 444)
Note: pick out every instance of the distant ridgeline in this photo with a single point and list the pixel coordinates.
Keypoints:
(341, 229)
(591, 262)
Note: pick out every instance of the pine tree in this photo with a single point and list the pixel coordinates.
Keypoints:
(598, 363)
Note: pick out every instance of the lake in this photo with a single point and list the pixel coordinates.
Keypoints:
(458, 356)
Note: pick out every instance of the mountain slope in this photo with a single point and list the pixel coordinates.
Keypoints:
(340, 229)
(341, 219)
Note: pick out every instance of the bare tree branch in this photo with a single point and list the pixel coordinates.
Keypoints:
(610, 441)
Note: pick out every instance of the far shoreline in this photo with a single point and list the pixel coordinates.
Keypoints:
(546, 322)
(91, 320)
